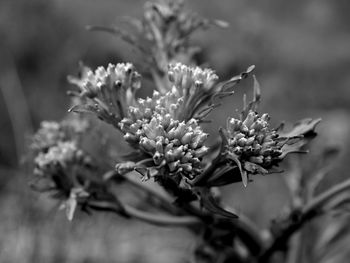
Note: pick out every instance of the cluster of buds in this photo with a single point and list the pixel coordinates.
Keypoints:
(168, 106)
(176, 148)
(196, 86)
(107, 92)
(60, 163)
(62, 168)
(253, 143)
(51, 132)
(191, 80)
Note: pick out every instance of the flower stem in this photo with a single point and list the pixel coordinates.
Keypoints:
(163, 198)
(156, 219)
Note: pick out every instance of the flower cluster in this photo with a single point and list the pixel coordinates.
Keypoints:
(158, 126)
(107, 92)
(253, 143)
(175, 146)
(57, 166)
(51, 132)
(165, 126)
(196, 86)
(60, 163)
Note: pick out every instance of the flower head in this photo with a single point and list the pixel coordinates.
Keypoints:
(196, 86)
(254, 144)
(107, 92)
(60, 162)
(61, 167)
(51, 132)
(176, 148)
(250, 145)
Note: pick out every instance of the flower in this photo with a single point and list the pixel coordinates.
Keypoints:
(58, 156)
(155, 127)
(48, 135)
(176, 148)
(253, 143)
(168, 106)
(59, 167)
(196, 86)
(107, 92)
(51, 132)
(249, 144)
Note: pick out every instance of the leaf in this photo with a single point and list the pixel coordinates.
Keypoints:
(300, 135)
(244, 175)
(225, 175)
(304, 127)
(70, 207)
(236, 79)
(209, 203)
(293, 148)
(333, 241)
(86, 108)
(252, 105)
(257, 94)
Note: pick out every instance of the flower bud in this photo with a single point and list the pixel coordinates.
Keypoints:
(173, 166)
(201, 151)
(242, 142)
(158, 158)
(147, 144)
(249, 119)
(187, 138)
(256, 159)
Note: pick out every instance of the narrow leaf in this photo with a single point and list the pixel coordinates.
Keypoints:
(244, 175)
(209, 203)
(304, 127)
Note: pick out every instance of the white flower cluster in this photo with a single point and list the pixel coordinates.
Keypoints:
(253, 142)
(107, 92)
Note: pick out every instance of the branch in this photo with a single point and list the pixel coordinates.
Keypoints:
(323, 198)
(309, 212)
(156, 219)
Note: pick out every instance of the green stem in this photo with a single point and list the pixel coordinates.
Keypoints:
(149, 190)
(165, 201)
(156, 219)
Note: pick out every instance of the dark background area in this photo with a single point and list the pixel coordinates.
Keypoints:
(302, 57)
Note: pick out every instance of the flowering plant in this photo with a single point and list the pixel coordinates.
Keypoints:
(167, 144)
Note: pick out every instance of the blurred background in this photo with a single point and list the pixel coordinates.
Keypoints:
(301, 50)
